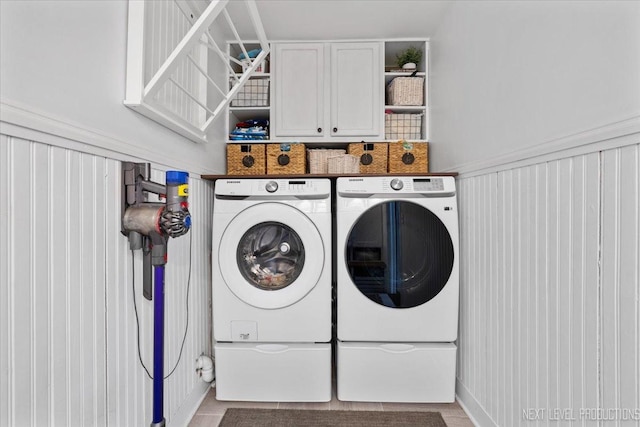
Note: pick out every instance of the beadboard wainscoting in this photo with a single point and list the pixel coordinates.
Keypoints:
(550, 272)
(68, 341)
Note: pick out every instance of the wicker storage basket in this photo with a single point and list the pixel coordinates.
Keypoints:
(317, 159)
(402, 126)
(344, 164)
(245, 159)
(406, 91)
(254, 93)
(285, 159)
(373, 157)
(408, 157)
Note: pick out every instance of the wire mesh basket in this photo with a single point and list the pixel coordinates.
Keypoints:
(254, 93)
(402, 126)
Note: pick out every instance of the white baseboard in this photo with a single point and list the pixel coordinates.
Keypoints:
(190, 406)
(472, 407)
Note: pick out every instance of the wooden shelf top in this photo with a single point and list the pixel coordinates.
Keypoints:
(308, 175)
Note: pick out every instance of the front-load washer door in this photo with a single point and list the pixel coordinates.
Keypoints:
(271, 255)
(399, 254)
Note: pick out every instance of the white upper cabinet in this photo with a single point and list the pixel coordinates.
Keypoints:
(326, 91)
(355, 89)
(298, 70)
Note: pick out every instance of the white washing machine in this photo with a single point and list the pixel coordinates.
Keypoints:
(397, 288)
(272, 289)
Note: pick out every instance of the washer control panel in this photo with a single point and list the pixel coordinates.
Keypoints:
(300, 188)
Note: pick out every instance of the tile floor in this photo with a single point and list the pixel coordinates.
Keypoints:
(211, 410)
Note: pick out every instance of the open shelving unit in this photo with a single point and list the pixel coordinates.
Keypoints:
(237, 114)
(391, 49)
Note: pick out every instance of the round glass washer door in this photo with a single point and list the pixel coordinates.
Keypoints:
(399, 254)
(271, 255)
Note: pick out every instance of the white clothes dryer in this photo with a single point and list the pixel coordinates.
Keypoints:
(397, 288)
(272, 289)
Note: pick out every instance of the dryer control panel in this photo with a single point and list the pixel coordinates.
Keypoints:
(429, 186)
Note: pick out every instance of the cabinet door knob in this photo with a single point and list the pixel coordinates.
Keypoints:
(335, 129)
(319, 130)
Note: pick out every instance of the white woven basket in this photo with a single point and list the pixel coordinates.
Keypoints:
(344, 164)
(318, 157)
(406, 91)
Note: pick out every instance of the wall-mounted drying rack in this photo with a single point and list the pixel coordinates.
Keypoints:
(172, 73)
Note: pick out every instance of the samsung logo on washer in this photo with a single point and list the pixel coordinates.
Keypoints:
(356, 179)
(233, 182)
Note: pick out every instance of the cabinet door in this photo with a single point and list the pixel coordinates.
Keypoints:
(299, 89)
(355, 89)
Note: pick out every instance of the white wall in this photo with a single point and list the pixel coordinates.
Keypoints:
(68, 351)
(550, 266)
(68, 340)
(507, 76)
(537, 104)
(66, 60)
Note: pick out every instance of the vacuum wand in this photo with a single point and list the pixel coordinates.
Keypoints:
(149, 226)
